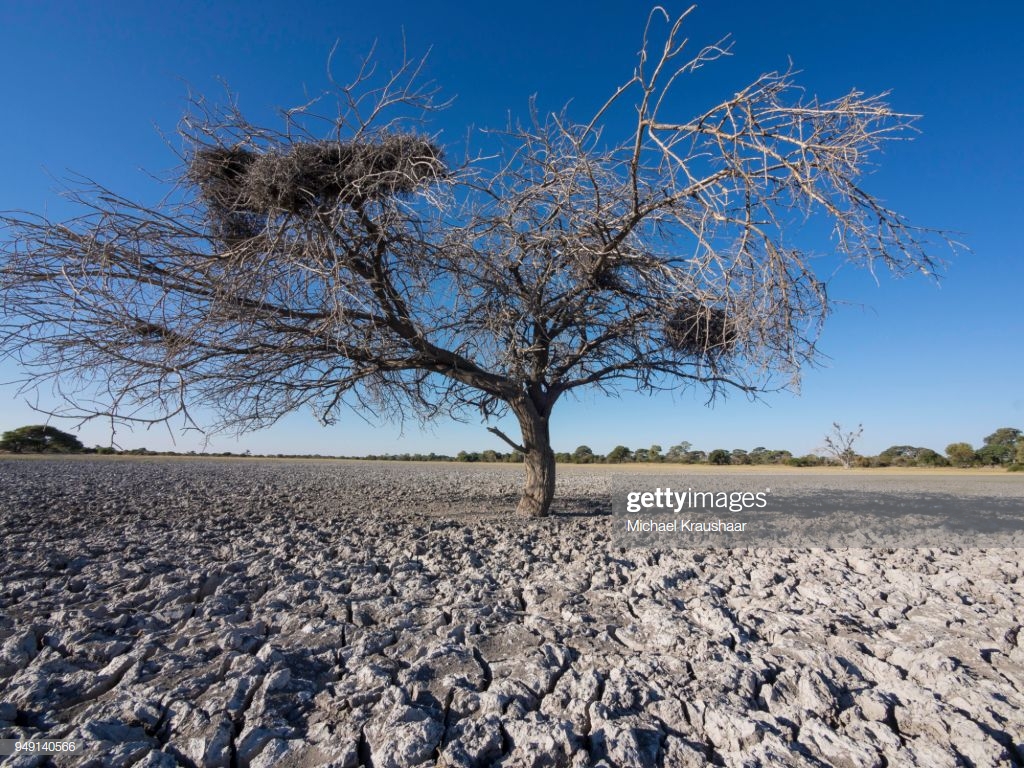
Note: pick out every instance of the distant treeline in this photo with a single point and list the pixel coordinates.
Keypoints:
(958, 454)
(1004, 447)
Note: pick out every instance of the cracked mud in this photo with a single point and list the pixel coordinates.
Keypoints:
(251, 613)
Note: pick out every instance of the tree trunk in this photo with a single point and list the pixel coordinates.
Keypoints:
(539, 488)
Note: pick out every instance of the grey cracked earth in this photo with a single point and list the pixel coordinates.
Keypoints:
(259, 613)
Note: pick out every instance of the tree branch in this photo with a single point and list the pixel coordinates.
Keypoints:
(515, 446)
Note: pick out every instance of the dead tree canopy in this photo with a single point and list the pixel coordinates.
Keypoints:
(243, 189)
(344, 260)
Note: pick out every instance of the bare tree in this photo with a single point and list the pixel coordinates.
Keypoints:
(343, 260)
(839, 444)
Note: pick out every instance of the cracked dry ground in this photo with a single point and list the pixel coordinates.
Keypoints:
(255, 613)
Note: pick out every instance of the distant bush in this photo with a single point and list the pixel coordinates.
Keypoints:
(810, 460)
(929, 458)
(583, 455)
(961, 454)
(39, 438)
(1001, 447)
(619, 454)
(1015, 468)
(719, 456)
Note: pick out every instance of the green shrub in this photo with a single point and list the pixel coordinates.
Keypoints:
(39, 438)
(810, 460)
(719, 456)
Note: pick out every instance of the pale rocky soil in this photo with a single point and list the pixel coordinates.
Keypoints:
(253, 613)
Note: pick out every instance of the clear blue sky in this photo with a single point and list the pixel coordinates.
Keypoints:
(86, 86)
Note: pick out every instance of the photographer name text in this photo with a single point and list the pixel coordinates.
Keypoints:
(684, 526)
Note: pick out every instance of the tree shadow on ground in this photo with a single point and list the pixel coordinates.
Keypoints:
(581, 506)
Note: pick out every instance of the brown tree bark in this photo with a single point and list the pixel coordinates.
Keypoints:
(539, 487)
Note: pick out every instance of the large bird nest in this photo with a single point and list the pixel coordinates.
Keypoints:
(697, 329)
(220, 173)
(241, 186)
(607, 277)
(603, 273)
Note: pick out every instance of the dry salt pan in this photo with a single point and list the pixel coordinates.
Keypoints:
(174, 612)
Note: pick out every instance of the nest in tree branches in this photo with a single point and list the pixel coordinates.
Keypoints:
(220, 171)
(309, 177)
(602, 275)
(220, 174)
(697, 329)
(606, 279)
